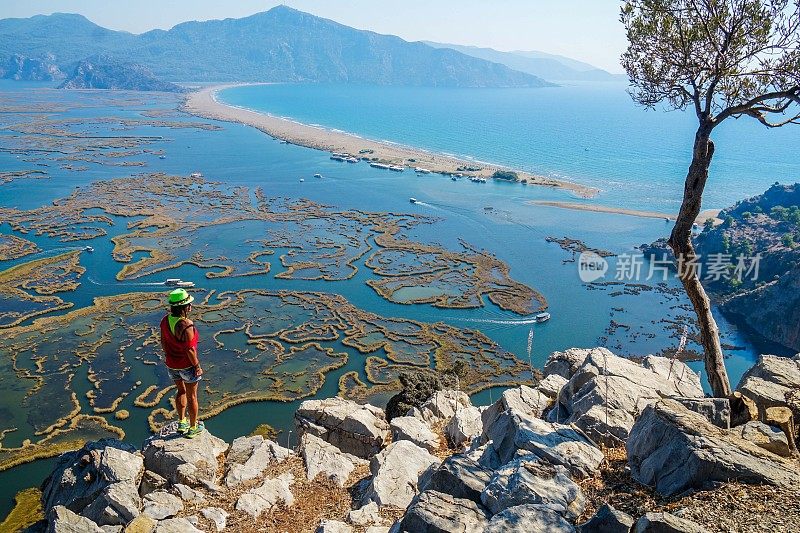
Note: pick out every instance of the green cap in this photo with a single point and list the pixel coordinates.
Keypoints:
(180, 297)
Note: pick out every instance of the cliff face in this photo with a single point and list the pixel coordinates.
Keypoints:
(766, 226)
(107, 74)
(773, 310)
(31, 69)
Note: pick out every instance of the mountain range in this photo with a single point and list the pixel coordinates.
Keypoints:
(281, 45)
(551, 67)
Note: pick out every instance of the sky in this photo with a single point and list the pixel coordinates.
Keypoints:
(587, 30)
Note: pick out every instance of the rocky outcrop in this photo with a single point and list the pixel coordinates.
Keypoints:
(770, 438)
(161, 504)
(268, 494)
(460, 477)
(606, 392)
(521, 473)
(531, 481)
(666, 523)
(523, 400)
(217, 516)
(178, 460)
(674, 449)
(96, 479)
(716, 410)
(565, 364)
(397, 473)
(249, 457)
(464, 425)
(415, 430)
(529, 518)
(176, 525)
(441, 407)
(62, 520)
(360, 430)
(436, 512)
(769, 381)
(607, 520)
(333, 526)
(556, 443)
(321, 457)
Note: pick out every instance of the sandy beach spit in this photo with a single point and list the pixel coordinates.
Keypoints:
(203, 103)
(701, 218)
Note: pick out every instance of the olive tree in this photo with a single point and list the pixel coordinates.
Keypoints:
(721, 59)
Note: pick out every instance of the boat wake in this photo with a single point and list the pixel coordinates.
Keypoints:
(507, 322)
(127, 284)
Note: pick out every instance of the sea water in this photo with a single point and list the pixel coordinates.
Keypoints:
(589, 133)
(513, 229)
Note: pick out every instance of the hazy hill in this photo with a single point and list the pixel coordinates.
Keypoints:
(106, 73)
(548, 66)
(281, 44)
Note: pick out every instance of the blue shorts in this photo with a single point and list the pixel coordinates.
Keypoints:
(184, 374)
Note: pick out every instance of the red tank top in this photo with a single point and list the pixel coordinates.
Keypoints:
(175, 350)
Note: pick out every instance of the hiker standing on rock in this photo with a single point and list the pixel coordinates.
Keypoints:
(179, 340)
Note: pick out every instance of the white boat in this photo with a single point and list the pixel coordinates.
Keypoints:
(172, 281)
(317, 175)
(412, 200)
(351, 159)
(302, 180)
(185, 284)
(542, 317)
(380, 165)
(420, 170)
(396, 168)
(162, 157)
(88, 249)
(195, 175)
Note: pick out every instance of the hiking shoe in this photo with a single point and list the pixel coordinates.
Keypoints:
(194, 430)
(183, 426)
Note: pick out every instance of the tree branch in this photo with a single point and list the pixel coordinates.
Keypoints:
(792, 94)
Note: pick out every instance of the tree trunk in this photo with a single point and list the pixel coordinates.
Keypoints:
(681, 243)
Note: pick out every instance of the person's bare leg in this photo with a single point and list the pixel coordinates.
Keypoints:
(180, 400)
(191, 400)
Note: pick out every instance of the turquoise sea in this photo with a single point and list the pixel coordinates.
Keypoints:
(588, 134)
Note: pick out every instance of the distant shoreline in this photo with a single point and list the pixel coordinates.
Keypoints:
(701, 218)
(203, 103)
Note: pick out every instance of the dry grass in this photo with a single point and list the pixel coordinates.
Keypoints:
(313, 501)
(732, 507)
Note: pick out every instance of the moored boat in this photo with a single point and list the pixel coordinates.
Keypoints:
(196, 175)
